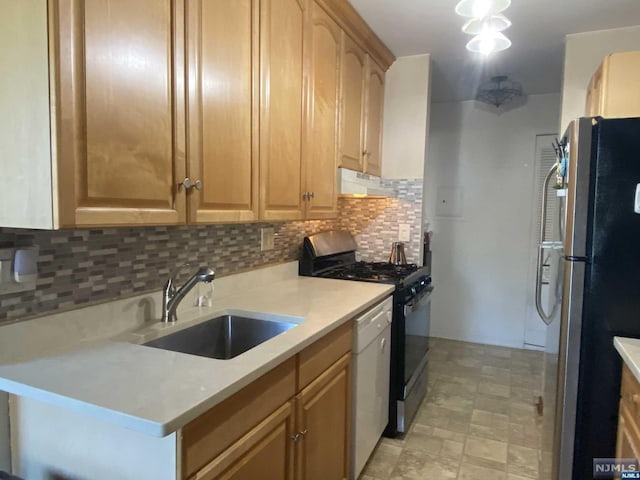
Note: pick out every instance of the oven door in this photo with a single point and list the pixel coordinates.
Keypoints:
(417, 313)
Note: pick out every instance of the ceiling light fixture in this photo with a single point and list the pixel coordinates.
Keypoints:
(498, 91)
(488, 42)
(481, 8)
(494, 23)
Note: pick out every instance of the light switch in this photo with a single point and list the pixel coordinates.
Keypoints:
(267, 239)
(404, 232)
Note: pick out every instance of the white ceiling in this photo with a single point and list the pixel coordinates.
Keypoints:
(411, 27)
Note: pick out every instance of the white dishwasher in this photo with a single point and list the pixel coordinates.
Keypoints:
(371, 346)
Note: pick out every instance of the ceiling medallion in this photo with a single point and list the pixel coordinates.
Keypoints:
(498, 91)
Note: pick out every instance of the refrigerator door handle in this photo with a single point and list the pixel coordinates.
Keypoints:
(542, 245)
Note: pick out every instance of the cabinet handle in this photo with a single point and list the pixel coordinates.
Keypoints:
(306, 196)
(365, 153)
(296, 438)
(311, 195)
(198, 184)
(303, 433)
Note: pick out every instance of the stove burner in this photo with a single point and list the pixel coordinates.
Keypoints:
(373, 271)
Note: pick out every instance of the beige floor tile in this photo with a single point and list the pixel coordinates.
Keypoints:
(493, 404)
(486, 449)
(523, 461)
(448, 434)
(525, 435)
(439, 468)
(410, 464)
(382, 461)
(495, 389)
(489, 419)
(475, 472)
(478, 420)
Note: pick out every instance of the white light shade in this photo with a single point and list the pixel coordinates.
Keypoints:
(488, 42)
(495, 23)
(481, 8)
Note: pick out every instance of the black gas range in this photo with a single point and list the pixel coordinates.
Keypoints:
(333, 255)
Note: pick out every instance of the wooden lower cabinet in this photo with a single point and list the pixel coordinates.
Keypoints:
(285, 425)
(265, 452)
(628, 438)
(322, 417)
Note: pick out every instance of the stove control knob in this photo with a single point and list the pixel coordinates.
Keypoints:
(413, 290)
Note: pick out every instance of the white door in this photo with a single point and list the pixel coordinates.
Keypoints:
(535, 329)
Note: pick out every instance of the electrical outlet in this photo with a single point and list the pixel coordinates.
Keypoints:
(404, 232)
(267, 236)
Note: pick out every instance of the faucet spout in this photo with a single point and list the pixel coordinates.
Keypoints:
(172, 296)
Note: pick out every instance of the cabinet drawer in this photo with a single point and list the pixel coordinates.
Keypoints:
(210, 434)
(316, 358)
(630, 393)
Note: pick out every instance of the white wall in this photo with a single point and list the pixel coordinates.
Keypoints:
(406, 117)
(583, 54)
(481, 259)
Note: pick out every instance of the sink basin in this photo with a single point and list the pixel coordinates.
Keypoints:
(222, 337)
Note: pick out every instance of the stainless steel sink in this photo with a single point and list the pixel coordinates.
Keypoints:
(222, 337)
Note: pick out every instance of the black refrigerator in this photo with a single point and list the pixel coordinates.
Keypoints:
(598, 285)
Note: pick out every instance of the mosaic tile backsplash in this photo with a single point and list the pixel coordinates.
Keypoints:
(78, 267)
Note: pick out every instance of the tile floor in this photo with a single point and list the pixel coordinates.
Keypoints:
(477, 422)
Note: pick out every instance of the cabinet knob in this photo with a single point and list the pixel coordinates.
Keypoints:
(311, 195)
(303, 433)
(634, 398)
(187, 183)
(296, 438)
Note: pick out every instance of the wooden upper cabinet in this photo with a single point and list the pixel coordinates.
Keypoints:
(322, 123)
(614, 90)
(373, 118)
(222, 90)
(281, 109)
(119, 111)
(352, 82)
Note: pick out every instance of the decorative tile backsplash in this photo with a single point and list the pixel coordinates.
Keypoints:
(78, 267)
(375, 222)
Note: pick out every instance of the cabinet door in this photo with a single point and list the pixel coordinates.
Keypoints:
(628, 436)
(266, 452)
(373, 118)
(223, 110)
(352, 75)
(281, 102)
(323, 416)
(119, 109)
(322, 128)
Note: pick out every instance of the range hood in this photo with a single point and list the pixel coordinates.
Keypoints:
(354, 184)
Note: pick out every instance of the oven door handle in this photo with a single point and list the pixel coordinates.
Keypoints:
(421, 298)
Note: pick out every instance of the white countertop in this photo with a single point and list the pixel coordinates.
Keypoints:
(156, 391)
(629, 350)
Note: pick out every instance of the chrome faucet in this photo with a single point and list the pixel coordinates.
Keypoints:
(171, 295)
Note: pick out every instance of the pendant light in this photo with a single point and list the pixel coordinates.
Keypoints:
(494, 23)
(488, 42)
